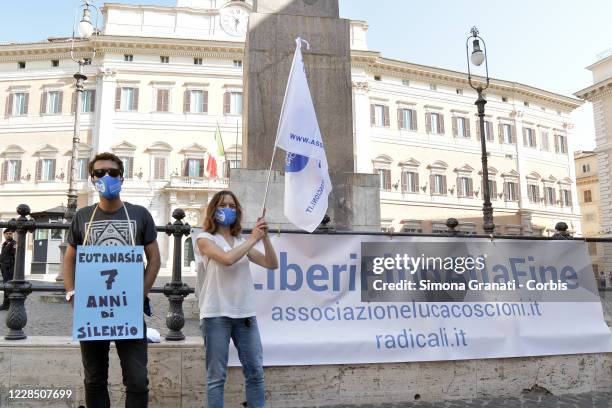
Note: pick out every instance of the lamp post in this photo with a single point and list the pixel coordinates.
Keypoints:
(477, 57)
(84, 30)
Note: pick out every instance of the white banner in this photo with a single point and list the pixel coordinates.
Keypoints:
(310, 311)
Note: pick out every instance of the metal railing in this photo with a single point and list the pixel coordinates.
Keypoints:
(176, 290)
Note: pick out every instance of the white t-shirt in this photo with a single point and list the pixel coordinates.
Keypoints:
(225, 290)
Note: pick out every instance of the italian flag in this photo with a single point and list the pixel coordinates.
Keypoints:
(216, 153)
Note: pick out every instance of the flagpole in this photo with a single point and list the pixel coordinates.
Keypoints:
(299, 44)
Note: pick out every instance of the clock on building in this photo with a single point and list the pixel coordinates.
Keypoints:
(234, 20)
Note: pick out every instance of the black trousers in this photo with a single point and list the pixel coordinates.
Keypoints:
(7, 275)
(133, 357)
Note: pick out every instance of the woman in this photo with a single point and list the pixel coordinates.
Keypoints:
(227, 296)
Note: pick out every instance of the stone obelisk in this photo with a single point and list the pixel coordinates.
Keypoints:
(273, 27)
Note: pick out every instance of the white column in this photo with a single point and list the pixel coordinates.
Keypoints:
(361, 127)
(571, 166)
(105, 103)
(521, 168)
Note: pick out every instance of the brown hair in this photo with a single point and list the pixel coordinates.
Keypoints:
(105, 156)
(209, 219)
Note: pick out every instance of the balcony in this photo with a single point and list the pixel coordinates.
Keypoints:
(196, 183)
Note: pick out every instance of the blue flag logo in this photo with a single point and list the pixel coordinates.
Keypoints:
(294, 163)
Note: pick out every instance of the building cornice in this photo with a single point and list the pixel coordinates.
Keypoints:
(374, 63)
(59, 49)
(371, 61)
(596, 91)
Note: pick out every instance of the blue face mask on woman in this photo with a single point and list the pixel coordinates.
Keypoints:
(225, 216)
(108, 187)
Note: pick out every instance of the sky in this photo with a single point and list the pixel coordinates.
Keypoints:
(542, 43)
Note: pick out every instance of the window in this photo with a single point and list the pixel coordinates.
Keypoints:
(21, 65)
(52, 102)
(412, 227)
(407, 119)
(128, 58)
(18, 106)
(561, 144)
(526, 103)
(507, 133)
(586, 168)
(377, 78)
(465, 187)
(126, 99)
(237, 63)
(529, 138)
(385, 179)
(164, 60)
(504, 99)
(128, 167)
(437, 184)
(232, 104)
(544, 145)
(511, 191)
(159, 168)
(231, 164)
(434, 123)
(459, 91)
(410, 181)
(439, 228)
(11, 170)
(162, 100)
(588, 198)
(533, 193)
(196, 101)
(88, 100)
(492, 189)
(461, 127)
(488, 129)
(82, 169)
(45, 170)
(566, 197)
(405, 82)
(197, 61)
(55, 63)
(550, 196)
(379, 115)
(433, 87)
(194, 168)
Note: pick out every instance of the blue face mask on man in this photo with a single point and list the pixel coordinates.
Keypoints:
(108, 187)
(225, 216)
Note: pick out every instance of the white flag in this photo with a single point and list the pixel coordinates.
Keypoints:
(307, 182)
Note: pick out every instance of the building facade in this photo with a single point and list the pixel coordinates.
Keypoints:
(587, 187)
(600, 94)
(164, 78)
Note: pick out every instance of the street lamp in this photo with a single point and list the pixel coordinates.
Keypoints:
(84, 30)
(477, 57)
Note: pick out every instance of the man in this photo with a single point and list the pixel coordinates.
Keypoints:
(7, 263)
(113, 222)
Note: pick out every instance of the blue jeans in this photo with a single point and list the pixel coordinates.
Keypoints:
(217, 332)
